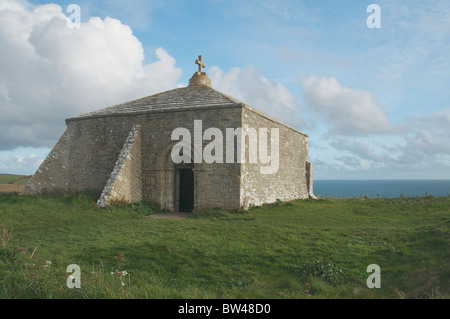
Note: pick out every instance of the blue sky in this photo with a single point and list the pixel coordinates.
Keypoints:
(374, 101)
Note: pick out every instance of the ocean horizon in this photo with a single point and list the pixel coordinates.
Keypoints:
(380, 188)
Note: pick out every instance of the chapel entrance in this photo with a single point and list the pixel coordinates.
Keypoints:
(186, 190)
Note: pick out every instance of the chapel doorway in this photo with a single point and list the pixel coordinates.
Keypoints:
(186, 190)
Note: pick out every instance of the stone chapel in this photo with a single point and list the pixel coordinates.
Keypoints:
(130, 152)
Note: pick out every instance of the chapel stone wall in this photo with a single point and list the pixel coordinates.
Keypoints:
(289, 181)
(216, 184)
(53, 175)
(96, 145)
(125, 182)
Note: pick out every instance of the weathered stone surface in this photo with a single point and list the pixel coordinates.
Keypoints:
(178, 99)
(125, 182)
(200, 78)
(216, 185)
(309, 179)
(95, 147)
(289, 182)
(53, 175)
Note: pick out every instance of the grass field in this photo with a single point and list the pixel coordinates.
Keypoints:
(301, 249)
(12, 183)
(7, 178)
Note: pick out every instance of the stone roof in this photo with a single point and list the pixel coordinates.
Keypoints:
(199, 94)
(186, 97)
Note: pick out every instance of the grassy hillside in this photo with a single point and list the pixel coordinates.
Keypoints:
(7, 178)
(302, 249)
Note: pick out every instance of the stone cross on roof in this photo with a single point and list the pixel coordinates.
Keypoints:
(200, 78)
(200, 63)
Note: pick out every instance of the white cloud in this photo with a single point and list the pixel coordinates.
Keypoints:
(20, 164)
(51, 72)
(12, 5)
(430, 134)
(346, 111)
(359, 148)
(423, 150)
(267, 96)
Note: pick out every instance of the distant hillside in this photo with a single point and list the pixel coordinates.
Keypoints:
(14, 179)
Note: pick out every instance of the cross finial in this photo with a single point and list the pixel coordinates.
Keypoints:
(200, 63)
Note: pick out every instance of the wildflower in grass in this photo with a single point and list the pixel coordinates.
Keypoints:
(307, 288)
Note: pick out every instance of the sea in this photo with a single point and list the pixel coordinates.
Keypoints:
(380, 188)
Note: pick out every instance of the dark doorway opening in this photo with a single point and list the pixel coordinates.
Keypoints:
(186, 198)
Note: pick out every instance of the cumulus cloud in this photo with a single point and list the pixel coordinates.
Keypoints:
(268, 96)
(50, 72)
(346, 111)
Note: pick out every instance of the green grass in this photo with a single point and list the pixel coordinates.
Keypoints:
(7, 178)
(300, 249)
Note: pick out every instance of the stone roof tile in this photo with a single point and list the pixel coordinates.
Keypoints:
(187, 97)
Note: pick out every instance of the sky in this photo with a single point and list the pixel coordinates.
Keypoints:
(375, 101)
